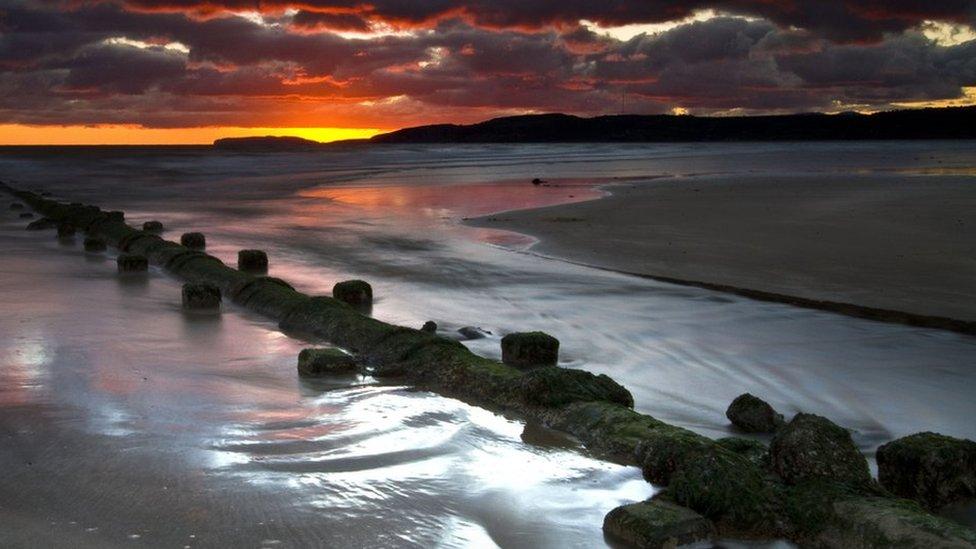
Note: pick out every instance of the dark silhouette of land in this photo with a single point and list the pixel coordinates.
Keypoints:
(940, 123)
(946, 123)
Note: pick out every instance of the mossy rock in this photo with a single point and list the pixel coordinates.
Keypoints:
(357, 293)
(95, 244)
(194, 241)
(66, 230)
(930, 468)
(813, 447)
(132, 263)
(753, 450)
(152, 226)
(318, 362)
(252, 261)
(530, 349)
(42, 224)
(553, 386)
(656, 524)
(429, 327)
(753, 415)
(879, 522)
(201, 296)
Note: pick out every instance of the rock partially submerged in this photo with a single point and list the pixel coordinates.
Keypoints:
(812, 447)
(26, 215)
(357, 293)
(152, 226)
(66, 230)
(95, 244)
(932, 469)
(252, 261)
(16, 206)
(553, 386)
(318, 362)
(530, 349)
(429, 327)
(656, 524)
(42, 224)
(201, 296)
(472, 332)
(132, 263)
(194, 241)
(753, 415)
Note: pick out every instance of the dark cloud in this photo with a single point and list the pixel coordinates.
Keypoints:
(188, 63)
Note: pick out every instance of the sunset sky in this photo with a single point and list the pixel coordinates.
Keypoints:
(187, 71)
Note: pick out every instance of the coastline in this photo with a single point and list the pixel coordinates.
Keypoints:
(819, 242)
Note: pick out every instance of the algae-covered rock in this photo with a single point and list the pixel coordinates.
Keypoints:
(353, 292)
(530, 349)
(152, 226)
(201, 296)
(553, 386)
(812, 447)
(429, 327)
(317, 362)
(753, 415)
(194, 241)
(16, 206)
(42, 224)
(66, 230)
(878, 522)
(95, 244)
(26, 215)
(132, 263)
(656, 524)
(254, 261)
(930, 468)
(753, 450)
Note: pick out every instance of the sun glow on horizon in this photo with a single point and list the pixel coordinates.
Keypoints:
(20, 134)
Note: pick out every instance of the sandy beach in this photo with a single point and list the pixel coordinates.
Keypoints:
(899, 242)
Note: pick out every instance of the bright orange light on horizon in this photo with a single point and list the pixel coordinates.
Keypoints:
(19, 134)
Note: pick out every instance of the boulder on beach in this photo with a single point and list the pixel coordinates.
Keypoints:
(753, 415)
(553, 386)
(16, 206)
(430, 327)
(471, 332)
(95, 244)
(132, 263)
(42, 224)
(932, 469)
(530, 349)
(317, 362)
(194, 241)
(354, 292)
(254, 261)
(812, 447)
(66, 230)
(201, 296)
(152, 226)
(656, 524)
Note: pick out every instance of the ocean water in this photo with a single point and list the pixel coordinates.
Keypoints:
(126, 421)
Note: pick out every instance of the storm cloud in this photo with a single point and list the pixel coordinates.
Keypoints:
(181, 63)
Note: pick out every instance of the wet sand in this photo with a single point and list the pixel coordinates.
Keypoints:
(890, 241)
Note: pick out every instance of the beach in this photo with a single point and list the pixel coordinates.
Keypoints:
(902, 242)
(120, 408)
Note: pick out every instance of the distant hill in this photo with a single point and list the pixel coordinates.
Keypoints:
(267, 143)
(944, 123)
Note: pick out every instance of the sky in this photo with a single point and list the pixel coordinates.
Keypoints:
(190, 71)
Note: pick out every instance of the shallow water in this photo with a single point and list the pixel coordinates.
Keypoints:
(117, 399)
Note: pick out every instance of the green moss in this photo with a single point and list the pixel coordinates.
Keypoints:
(530, 349)
(656, 524)
(319, 362)
(357, 293)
